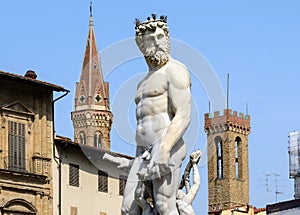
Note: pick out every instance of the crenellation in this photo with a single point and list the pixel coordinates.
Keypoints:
(229, 120)
(241, 115)
(216, 113)
(235, 113)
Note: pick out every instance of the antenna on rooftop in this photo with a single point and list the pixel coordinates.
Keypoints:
(227, 99)
(246, 109)
(277, 192)
(267, 182)
(209, 107)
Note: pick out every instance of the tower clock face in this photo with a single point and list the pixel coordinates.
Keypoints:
(98, 98)
(81, 99)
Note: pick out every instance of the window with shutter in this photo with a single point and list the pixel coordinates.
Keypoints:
(102, 181)
(16, 146)
(74, 175)
(73, 211)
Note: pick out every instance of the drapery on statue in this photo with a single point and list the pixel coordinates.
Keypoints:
(163, 103)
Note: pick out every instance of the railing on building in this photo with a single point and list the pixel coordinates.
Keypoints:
(17, 164)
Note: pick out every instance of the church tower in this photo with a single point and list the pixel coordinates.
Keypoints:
(92, 117)
(228, 177)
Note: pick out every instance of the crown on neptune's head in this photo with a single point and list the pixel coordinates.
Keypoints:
(151, 24)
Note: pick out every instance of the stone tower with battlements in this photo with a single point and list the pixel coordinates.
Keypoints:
(228, 177)
(92, 118)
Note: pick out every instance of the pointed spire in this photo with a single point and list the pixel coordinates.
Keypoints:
(91, 88)
(92, 117)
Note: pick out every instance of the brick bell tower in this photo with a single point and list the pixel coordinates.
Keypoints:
(92, 118)
(228, 177)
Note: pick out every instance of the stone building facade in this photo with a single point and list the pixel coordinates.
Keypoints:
(26, 141)
(228, 177)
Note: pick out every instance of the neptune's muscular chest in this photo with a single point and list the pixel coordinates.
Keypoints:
(153, 85)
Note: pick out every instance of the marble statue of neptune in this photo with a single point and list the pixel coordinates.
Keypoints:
(163, 102)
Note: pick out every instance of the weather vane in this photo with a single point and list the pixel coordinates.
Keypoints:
(91, 6)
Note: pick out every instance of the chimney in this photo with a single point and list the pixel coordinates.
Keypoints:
(31, 74)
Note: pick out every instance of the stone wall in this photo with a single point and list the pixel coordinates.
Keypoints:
(25, 175)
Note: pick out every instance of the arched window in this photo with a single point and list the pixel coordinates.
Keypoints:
(18, 206)
(98, 140)
(82, 137)
(219, 157)
(237, 154)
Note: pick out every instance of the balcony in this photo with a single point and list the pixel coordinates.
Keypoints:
(17, 164)
(19, 167)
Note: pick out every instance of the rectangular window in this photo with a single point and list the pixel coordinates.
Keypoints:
(74, 175)
(237, 156)
(16, 146)
(219, 160)
(73, 211)
(236, 170)
(102, 181)
(122, 183)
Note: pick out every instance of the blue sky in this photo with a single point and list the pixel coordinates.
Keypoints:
(257, 42)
